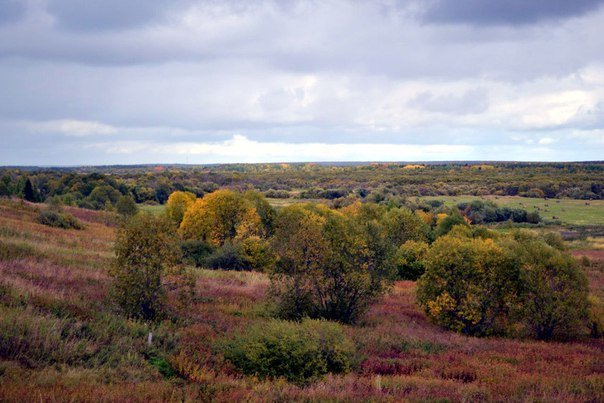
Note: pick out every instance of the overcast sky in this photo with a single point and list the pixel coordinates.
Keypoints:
(183, 81)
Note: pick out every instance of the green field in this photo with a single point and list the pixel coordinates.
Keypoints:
(567, 211)
(155, 209)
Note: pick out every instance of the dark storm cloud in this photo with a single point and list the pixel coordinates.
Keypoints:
(512, 12)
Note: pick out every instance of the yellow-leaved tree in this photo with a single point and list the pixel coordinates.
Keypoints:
(221, 216)
(177, 204)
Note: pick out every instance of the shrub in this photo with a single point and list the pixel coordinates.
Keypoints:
(466, 284)
(298, 352)
(553, 291)
(59, 219)
(146, 247)
(410, 260)
(126, 206)
(512, 285)
(402, 226)
(227, 257)
(328, 265)
(195, 252)
(449, 221)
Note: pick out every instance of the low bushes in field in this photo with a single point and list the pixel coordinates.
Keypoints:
(510, 285)
(298, 352)
(57, 218)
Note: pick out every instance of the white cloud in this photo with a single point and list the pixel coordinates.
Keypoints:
(76, 128)
(240, 148)
(546, 140)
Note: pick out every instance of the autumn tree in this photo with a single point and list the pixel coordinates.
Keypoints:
(328, 266)
(221, 216)
(449, 221)
(402, 226)
(467, 285)
(146, 247)
(479, 283)
(177, 204)
(266, 213)
(552, 288)
(410, 260)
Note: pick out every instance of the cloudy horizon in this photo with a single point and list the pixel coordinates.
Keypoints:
(105, 82)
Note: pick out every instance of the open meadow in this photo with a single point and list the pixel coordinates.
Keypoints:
(61, 338)
(565, 211)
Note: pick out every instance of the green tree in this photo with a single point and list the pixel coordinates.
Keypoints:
(328, 265)
(467, 285)
(146, 247)
(177, 204)
(514, 285)
(402, 226)
(410, 261)
(126, 206)
(553, 290)
(29, 192)
(266, 213)
(451, 220)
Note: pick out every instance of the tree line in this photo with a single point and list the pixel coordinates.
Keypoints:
(101, 187)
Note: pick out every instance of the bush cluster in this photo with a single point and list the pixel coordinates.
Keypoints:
(299, 352)
(515, 285)
(59, 219)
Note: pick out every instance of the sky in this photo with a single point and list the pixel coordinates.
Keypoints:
(91, 82)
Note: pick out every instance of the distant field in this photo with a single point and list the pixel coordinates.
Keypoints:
(290, 201)
(155, 209)
(567, 211)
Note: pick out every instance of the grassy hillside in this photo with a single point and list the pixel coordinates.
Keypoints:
(61, 339)
(567, 211)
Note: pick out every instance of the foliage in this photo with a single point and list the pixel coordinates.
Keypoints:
(146, 246)
(510, 285)
(219, 217)
(102, 197)
(126, 206)
(553, 290)
(29, 192)
(327, 266)
(266, 213)
(298, 352)
(54, 216)
(466, 285)
(410, 263)
(481, 212)
(448, 222)
(402, 226)
(227, 257)
(195, 252)
(177, 204)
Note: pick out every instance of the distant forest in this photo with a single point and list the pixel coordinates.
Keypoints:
(101, 187)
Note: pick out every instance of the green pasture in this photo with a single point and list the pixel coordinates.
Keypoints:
(567, 211)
